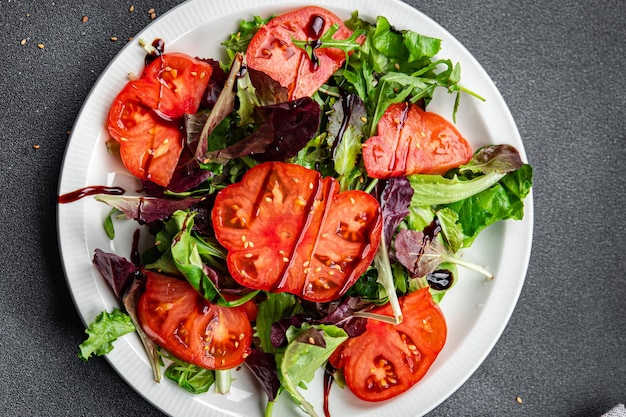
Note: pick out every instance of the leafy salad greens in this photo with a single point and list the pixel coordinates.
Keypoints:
(427, 219)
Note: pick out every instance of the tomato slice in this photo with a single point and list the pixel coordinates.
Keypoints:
(146, 116)
(413, 141)
(181, 82)
(387, 360)
(287, 229)
(272, 51)
(182, 322)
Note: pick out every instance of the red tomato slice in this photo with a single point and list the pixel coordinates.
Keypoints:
(387, 360)
(182, 81)
(149, 146)
(146, 116)
(182, 322)
(272, 51)
(287, 229)
(412, 141)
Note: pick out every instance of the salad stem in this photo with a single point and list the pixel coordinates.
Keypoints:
(385, 278)
(269, 408)
(223, 380)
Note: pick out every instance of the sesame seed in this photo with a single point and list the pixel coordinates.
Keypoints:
(131, 9)
(36, 146)
(85, 19)
(40, 45)
(150, 11)
(285, 259)
(23, 42)
(519, 400)
(311, 340)
(248, 255)
(113, 38)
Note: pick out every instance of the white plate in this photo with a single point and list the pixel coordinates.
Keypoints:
(476, 312)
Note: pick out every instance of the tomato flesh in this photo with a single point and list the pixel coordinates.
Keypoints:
(272, 51)
(386, 360)
(146, 116)
(182, 322)
(287, 229)
(413, 141)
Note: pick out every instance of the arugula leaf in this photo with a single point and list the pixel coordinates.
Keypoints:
(190, 377)
(103, 331)
(238, 41)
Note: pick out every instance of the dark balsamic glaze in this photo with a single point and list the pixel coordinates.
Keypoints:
(159, 49)
(329, 377)
(440, 279)
(347, 103)
(135, 257)
(87, 191)
(313, 30)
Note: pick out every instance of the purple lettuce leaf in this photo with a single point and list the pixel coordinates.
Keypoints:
(266, 89)
(146, 210)
(263, 367)
(395, 201)
(118, 271)
(293, 124)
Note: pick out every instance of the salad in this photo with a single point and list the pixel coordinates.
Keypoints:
(304, 207)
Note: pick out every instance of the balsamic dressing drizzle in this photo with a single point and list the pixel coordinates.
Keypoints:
(313, 30)
(87, 191)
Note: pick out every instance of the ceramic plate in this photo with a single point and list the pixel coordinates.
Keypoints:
(476, 312)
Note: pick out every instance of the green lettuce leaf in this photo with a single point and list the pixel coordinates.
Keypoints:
(502, 201)
(103, 331)
(309, 348)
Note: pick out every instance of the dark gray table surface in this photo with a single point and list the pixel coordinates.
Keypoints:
(561, 68)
